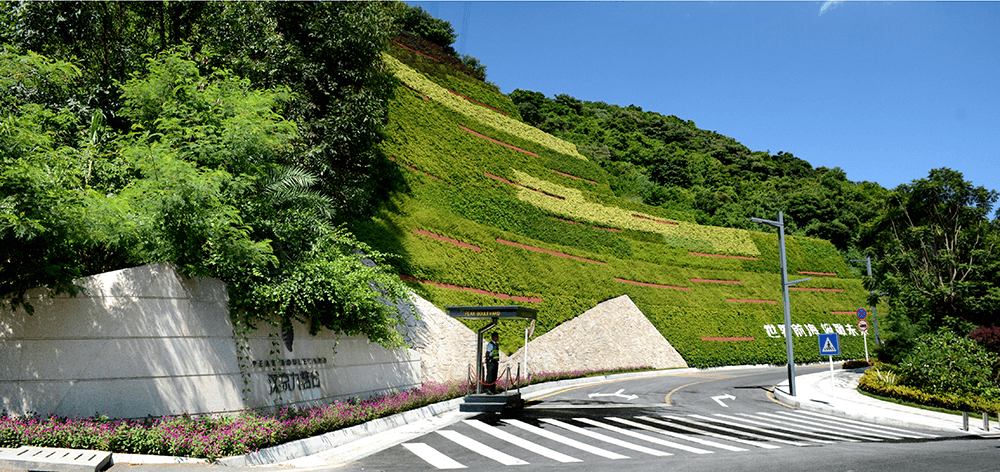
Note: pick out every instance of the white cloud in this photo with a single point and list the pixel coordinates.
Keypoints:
(827, 6)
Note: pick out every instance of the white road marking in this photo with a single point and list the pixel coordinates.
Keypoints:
(520, 442)
(482, 449)
(762, 445)
(606, 438)
(432, 456)
(563, 439)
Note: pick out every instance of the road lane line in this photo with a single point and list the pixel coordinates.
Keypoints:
(605, 438)
(563, 439)
(834, 430)
(520, 442)
(768, 428)
(905, 433)
(658, 440)
(482, 449)
(762, 445)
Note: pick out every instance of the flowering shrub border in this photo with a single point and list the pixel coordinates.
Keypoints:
(214, 436)
(480, 291)
(875, 384)
(554, 253)
(448, 240)
(645, 284)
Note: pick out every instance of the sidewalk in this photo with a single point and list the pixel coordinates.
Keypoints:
(814, 392)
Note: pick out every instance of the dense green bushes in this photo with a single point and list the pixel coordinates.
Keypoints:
(883, 380)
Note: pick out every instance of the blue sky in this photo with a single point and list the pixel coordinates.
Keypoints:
(886, 91)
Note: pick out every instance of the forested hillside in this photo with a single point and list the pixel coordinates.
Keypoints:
(495, 211)
(669, 162)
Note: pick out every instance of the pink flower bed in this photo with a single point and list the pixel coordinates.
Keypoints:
(448, 240)
(573, 176)
(415, 51)
(741, 300)
(656, 220)
(711, 281)
(724, 255)
(501, 179)
(495, 141)
(581, 224)
(477, 102)
(806, 272)
(408, 166)
(503, 296)
(554, 253)
(644, 284)
(728, 339)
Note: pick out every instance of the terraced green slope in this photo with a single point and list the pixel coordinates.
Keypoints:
(497, 212)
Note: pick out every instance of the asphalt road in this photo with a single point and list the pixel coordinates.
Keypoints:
(706, 421)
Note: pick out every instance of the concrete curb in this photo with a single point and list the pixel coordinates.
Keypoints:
(846, 402)
(316, 444)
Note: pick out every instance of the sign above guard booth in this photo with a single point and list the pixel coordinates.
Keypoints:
(492, 403)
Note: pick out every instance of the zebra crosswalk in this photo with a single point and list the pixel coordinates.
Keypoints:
(517, 442)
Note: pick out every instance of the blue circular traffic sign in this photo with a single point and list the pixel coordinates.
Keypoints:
(862, 313)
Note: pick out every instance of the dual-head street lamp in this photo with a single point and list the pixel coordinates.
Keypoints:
(780, 224)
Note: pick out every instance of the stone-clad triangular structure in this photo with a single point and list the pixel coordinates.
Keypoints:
(613, 334)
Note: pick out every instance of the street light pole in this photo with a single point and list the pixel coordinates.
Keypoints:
(780, 224)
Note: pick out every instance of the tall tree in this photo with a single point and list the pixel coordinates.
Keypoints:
(937, 251)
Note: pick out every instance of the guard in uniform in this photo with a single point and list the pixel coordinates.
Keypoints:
(492, 363)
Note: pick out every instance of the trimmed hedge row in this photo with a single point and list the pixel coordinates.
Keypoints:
(874, 383)
(656, 247)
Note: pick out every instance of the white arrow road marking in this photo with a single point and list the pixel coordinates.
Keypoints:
(616, 394)
(719, 398)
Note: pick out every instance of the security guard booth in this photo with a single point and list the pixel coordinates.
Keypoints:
(479, 402)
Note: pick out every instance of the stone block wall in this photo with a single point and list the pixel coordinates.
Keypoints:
(147, 341)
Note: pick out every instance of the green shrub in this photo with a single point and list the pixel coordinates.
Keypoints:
(944, 363)
(881, 380)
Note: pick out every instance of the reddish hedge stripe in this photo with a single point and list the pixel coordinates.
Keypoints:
(474, 290)
(448, 240)
(653, 219)
(581, 224)
(573, 176)
(477, 102)
(809, 289)
(554, 253)
(501, 179)
(716, 281)
(413, 50)
(728, 339)
(644, 284)
(740, 300)
(723, 255)
(495, 141)
(497, 177)
(408, 166)
(834, 274)
(843, 312)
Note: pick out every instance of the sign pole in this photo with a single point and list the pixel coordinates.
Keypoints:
(831, 370)
(865, 333)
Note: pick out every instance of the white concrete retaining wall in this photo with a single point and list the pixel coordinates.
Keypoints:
(146, 341)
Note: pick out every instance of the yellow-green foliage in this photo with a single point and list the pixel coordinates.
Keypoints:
(468, 206)
(485, 116)
(679, 233)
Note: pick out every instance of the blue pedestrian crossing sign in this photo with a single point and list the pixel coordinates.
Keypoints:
(829, 344)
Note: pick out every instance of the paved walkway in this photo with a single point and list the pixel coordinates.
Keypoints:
(814, 392)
